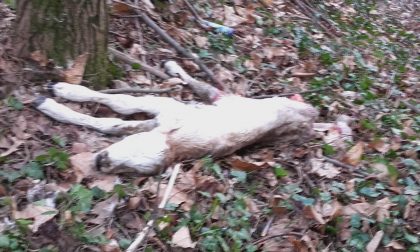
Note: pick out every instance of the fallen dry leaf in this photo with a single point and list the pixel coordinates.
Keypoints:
(74, 74)
(83, 167)
(380, 145)
(182, 238)
(363, 208)
(381, 171)
(311, 213)
(231, 19)
(349, 62)
(331, 210)
(111, 246)
(323, 169)
(395, 245)
(266, 3)
(39, 57)
(176, 197)
(77, 148)
(104, 209)
(374, 243)
(39, 214)
(201, 41)
(134, 202)
(354, 155)
(16, 144)
(247, 166)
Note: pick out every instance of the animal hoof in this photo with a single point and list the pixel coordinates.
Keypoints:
(38, 101)
(50, 87)
(102, 161)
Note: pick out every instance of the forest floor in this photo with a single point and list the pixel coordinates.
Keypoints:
(355, 187)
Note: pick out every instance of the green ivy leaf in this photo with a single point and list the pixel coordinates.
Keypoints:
(4, 241)
(411, 238)
(392, 172)
(60, 141)
(59, 158)
(14, 103)
(356, 221)
(280, 172)
(370, 192)
(304, 200)
(328, 150)
(83, 198)
(239, 175)
(33, 170)
(11, 176)
(136, 66)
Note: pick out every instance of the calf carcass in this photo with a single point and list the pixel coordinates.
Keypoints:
(180, 131)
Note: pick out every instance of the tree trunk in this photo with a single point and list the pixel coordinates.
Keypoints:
(63, 30)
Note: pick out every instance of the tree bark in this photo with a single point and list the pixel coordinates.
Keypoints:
(64, 29)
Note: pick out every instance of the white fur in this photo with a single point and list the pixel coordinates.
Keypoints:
(63, 114)
(183, 131)
(120, 103)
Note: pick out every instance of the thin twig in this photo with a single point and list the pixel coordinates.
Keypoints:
(137, 90)
(277, 235)
(411, 106)
(202, 89)
(142, 235)
(165, 36)
(141, 39)
(338, 163)
(314, 16)
(193, 11)
(293, 93)
(144, 66)
(267, 226)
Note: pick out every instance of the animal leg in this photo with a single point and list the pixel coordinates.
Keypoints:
(64, 114)
(120, 103)
(144, 153)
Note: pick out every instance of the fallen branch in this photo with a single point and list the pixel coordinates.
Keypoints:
(290, 94)
(411, 106)
(144, 66)
(142, 235)
(204, 90)
(165, 36)
(338, 163)
(306, 10)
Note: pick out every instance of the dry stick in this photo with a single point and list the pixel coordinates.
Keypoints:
(290, 94)
(140, 236)
(310, 13)
(127, 58)
(137, 90)
(194, 84)
(267, 226)
(146, 19)
(141, 40)
(338, 163)
(411, 106)
(193, 11)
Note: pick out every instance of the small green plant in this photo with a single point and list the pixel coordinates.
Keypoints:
(14, 103)
(235, 236)
(81, 199)
(14, 239)
(79, 231)
(221, 43)
(54, 157)
(280, 171)
(212, 167)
